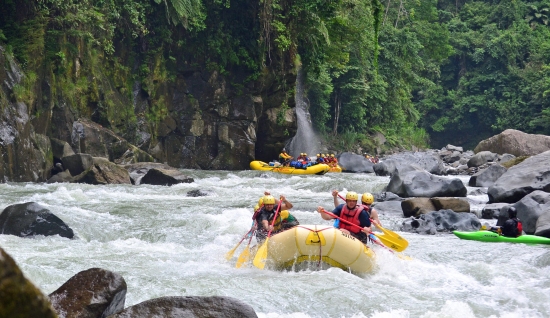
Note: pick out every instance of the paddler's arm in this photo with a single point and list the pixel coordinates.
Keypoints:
(324, 215)
(335, 196)
(285, 205)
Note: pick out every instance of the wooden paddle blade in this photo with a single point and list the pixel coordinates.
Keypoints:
(392, 242)
(261, 255)
(243, 258)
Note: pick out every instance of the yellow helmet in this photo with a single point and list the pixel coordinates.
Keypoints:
(261, 201)
(318, 155)
(352, 196)
(367, 198)
(256, 207)
(305, 154)
(332, 155)
(269, 199)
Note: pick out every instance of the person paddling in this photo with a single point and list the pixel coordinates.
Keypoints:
(366, 200)
(512, 227)
(266, 214)
(353, 213)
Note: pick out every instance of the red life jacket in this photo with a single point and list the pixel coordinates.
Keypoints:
(351, 216)
(520, 227)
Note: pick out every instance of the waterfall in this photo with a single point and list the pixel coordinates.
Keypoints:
(305, 140)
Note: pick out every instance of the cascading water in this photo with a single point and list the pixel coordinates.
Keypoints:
(306, 140)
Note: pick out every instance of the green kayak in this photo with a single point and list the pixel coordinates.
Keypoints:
(488, 236)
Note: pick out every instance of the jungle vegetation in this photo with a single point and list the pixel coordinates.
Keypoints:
(421, 72)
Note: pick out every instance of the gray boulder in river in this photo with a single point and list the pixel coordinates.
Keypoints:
(441, 221)
(351, 162)
(419, 183)
(530, 175)
(530, 208)
(427, 160)
(30, 219)
(515, 142)
(189, 306)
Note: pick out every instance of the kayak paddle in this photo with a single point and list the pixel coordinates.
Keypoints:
(390, 242)
(261, 254)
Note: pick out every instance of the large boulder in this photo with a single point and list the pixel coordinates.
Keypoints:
(190, 306)
(19, 298)
(388, 207)
(455, 204)
(139, 169)
(77, 163)
(515, 142)
(428, 161)
(482, 158)
(530, 175)
(91, 293)
(98, 141)
(487, 177)
(103, 171)
(61, 148)
(543, 224)
(419, 183)
(441, 221)
(30, 219)
(529, 208)
(492, 211)
(351, 162)
(165, 177)
(417, 206)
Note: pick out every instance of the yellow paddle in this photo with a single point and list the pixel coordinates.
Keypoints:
(390, 234)
(261, 254)
(229, 255)
(391, 242)
(245, 255)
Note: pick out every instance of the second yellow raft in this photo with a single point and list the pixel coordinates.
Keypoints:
(316, 169)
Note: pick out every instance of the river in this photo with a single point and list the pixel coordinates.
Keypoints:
(165, 243)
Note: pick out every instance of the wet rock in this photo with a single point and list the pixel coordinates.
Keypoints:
(61, 148)
(506, 157)
(388, 207)
(529, 208)
(441, 221)
(515, 142)
(19, 298)
(77, 163)
(428, 161)
(478, 192)
(30, 219)
(196, 193)
(61, 177)
(139, 169)
(386, 196)
(530, 175)
(423, 184)
(103, 171)
(91, 293)
(492, 211)
(482, 158)
(351, 162)
(190, 306)
(455, 204)
(165, 177)
(487, 177)
(543, 224)
(417, 206)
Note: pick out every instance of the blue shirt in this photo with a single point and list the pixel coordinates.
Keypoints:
(364, 217)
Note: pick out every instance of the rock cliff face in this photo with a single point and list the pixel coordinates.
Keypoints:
(205, 120)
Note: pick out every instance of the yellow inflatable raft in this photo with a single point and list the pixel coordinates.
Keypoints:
(319, 243)
(316, 169)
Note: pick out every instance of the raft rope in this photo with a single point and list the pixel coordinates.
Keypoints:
(320, 246)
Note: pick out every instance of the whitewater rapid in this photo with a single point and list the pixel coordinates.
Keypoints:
(165, 243)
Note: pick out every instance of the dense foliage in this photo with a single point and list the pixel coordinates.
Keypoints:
(419, 71)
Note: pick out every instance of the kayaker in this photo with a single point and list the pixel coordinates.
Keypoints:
(512, 227)
(353, 213)
(266, 214)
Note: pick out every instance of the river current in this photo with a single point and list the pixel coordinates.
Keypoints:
(165, 243)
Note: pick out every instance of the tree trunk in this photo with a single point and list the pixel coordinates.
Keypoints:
(386, 14)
